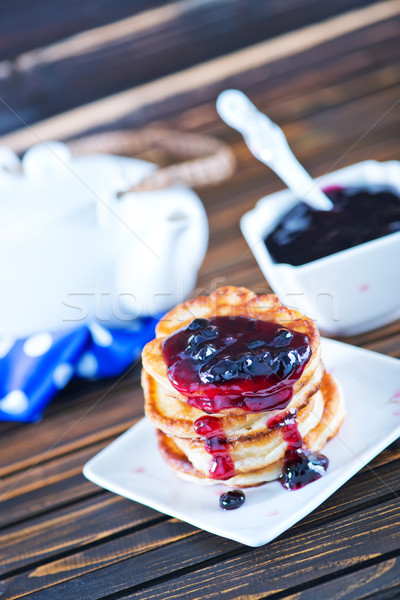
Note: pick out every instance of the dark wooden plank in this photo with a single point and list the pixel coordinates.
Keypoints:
(68, 532)
(189, 572)
(46, 486)
(96, 558)
(100, 416)
(26, 25)
(340, 41)
(41, 24)
(381, 581)
(70, 529)
(66, 74)
(388, 345)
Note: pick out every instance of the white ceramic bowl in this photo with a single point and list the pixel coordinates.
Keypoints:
(349, 292)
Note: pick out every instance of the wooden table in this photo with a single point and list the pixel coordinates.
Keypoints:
(332, 81)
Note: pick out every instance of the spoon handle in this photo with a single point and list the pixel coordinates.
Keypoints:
(267, 142)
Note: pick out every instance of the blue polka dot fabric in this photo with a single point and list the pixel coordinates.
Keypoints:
(34, 369)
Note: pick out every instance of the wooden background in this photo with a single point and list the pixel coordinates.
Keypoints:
(328, 72)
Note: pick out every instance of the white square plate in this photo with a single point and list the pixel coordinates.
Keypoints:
(131, 466)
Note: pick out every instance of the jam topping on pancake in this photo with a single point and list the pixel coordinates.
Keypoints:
(250, 387)
(228, 362)
(215, 443)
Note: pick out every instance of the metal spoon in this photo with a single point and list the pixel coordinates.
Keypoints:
(267, 142)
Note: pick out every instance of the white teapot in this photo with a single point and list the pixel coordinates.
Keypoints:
(72, 249)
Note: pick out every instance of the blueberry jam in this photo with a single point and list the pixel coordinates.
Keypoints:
(221, 465)
(228, 362)
(208, 426)
(232, 499)
(359, 215)
(300, 465)
(216, 445)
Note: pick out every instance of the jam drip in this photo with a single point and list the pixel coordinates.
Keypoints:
(229, 362)
(300, 465)
(359, 215)
(221, 465)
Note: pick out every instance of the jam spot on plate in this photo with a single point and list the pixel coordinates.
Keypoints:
(232, 499)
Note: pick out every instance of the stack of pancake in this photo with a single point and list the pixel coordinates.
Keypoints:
(253, 441)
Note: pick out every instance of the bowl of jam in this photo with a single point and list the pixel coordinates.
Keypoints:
(342, 267)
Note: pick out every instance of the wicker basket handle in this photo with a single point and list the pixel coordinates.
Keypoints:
(208, 161)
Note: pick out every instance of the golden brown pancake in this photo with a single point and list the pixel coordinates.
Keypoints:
(328, 424)
(175, 417)
(233, 302)
(253, 441)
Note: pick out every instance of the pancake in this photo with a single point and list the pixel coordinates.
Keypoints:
(175, 417)
(253, 443)
(256, 450)
(332, 417)
(229, 301)
(327, 427)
